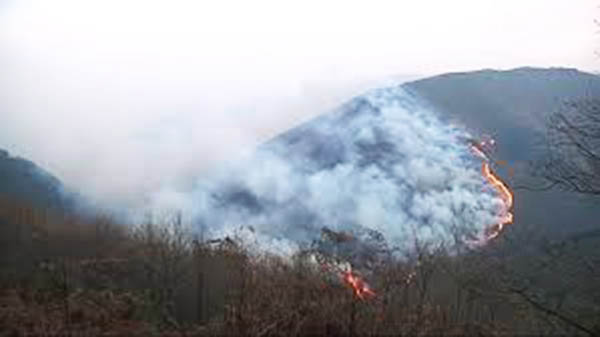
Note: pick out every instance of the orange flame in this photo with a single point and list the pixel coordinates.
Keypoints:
(359, 286)
(505, 193)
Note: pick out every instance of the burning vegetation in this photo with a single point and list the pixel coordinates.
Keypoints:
(63, 274)
(483, 149)
(83, 276)
(341, 252)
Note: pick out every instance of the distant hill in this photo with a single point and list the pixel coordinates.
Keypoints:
(23, 181)
(514, 106)
(511, 105)
(382, 160)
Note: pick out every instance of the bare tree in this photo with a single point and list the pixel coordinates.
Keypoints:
(572, 159)
(166, 259)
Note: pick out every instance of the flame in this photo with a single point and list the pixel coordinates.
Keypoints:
(359, 286)
(362, 290)
(505, 193)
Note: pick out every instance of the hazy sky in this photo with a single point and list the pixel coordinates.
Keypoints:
(122, 97)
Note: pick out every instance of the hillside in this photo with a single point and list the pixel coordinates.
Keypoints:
(382, 156)
(513, 106)
(23, 181)
(510, 105)
(391, 159)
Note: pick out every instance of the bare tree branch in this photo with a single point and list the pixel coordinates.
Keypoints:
(572, 161)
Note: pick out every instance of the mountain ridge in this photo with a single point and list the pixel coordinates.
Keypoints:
(21, 180)
(509, 104)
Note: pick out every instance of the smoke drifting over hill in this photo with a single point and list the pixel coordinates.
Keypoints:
(383, 161)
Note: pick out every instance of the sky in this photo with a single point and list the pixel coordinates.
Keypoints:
(121, 98)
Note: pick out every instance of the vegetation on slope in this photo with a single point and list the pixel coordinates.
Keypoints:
(64, 275)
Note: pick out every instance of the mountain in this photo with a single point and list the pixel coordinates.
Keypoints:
(514, 106)
(395, 160)
(23, 181)
(392, 159)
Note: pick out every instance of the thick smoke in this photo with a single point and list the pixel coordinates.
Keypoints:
(384, 161)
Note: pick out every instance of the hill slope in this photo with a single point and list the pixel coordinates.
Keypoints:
(511, 105)
(23, 181)
(514, 106)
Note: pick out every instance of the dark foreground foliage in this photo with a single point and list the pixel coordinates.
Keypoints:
(63, 275)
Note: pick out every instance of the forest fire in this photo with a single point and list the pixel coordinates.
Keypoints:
(506, 196)
(359, 286)
(481, 149)
(341, 266)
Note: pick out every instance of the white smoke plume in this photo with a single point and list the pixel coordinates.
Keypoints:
(383, 161)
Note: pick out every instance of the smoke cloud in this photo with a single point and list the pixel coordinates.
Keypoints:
(383, 161)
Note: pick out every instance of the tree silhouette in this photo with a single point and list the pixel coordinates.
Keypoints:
(572, 159)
